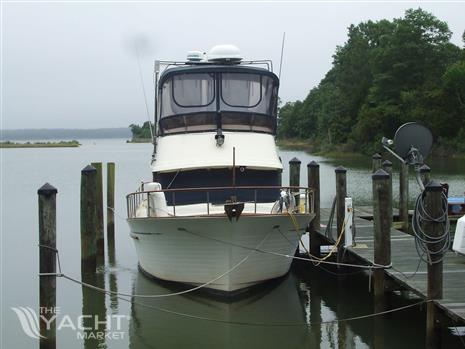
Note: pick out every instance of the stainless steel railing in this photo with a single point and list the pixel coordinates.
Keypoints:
(303, 196)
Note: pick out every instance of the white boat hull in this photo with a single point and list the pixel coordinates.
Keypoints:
(196, 250)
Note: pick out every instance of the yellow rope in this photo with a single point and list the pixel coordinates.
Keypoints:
(333, 249)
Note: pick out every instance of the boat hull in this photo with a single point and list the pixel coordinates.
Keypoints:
(197, 250)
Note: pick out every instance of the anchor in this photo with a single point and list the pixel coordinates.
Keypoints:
(233, 209)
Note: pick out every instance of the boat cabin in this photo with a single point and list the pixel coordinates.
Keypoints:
(214, 97)
(204, 111)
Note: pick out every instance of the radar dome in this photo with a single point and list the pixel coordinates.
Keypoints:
(226, 53)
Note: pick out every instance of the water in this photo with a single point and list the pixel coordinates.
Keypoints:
(273, 316)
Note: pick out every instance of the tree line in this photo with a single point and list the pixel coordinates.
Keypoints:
(386, 74)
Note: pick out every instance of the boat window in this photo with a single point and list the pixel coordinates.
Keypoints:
(188, 93)
(241, 90)
(194, 102)
(252, 93)
(193, 90)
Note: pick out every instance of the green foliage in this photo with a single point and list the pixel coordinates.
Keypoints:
(143, 132)
(386, 74)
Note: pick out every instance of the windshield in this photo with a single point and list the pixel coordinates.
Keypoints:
(228, 100)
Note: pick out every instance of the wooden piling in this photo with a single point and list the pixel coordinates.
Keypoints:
(376, 162)
(47, 264)
(88, 219)
(110, 200)
(294, 177)
(387, 167)
(425, 172)
(433, 207)
(403, 195)
(341, 193)
(382, 233)
(313, 176)
(100, 223)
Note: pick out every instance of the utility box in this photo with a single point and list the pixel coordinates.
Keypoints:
(348, 218)
(459, 238)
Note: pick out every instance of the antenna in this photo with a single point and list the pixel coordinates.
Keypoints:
(282, 53)
(143, 90)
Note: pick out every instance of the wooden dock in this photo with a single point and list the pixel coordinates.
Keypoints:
(406, 271)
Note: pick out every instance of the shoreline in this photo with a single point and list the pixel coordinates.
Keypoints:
(339, 152)
(62, 144)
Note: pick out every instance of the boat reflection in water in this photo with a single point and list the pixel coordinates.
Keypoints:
(275, 302)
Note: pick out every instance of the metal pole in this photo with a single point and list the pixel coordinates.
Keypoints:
(433, 207)
(341, 193)
(47, 264)
(88, 219)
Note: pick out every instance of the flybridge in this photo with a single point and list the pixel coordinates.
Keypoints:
(214, 92)
(218, 55)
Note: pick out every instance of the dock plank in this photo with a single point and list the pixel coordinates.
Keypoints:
(407, 270)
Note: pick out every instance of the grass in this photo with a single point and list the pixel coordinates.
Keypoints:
(140, 140)
(61, 144)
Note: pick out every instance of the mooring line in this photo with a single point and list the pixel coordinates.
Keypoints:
(109, 292)
(368, 267)
(116, 213)
(276, 324)
(121, 296)
(315, 261)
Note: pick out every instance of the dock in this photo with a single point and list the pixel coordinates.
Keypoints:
(406, 270)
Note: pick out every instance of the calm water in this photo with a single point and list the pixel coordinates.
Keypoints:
(273, 316)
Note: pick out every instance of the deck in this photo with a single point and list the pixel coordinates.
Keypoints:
(406, 269)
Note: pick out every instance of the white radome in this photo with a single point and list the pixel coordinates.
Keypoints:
(224, 52)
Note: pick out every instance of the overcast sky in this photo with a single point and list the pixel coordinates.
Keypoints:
(71, 65)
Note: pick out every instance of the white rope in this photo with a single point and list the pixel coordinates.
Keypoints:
(167, 294)
(373, 266)
(423, 240)
(306, 259)
(276, 324)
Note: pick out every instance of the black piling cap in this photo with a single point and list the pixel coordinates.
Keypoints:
(294, 161)
(380, 174)
(47, 189)
(313, 164)
(88, 168)
(433, 186)
(340, 169)
(425, 168)
(376, 156)
(387, 163)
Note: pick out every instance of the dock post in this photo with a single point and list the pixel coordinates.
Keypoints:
(294, 177)
(403, 195)
(341, 193)
(387, 167)
(47, 264)
(100, 223)
(425, 173)
(382, 232)
(313, 175)
(433, 207)
(110, 200)
(88, 219)
(376, 164)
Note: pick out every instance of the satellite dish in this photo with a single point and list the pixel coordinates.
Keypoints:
(413, 142)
